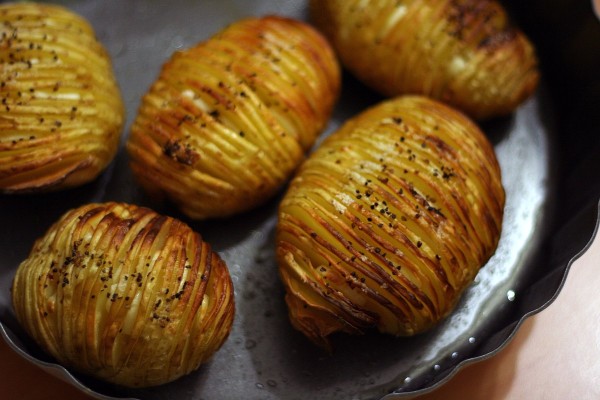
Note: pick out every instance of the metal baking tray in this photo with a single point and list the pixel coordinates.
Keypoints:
(550, 158)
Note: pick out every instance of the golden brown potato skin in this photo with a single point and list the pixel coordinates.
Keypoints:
(388, 221)
(462, 52)
(229, 120)
(123, 294)
(61, 114)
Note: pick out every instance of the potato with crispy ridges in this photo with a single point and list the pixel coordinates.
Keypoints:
(463, 52)
(229, 120)
(62, 113)
(124, 294)
(388, 221)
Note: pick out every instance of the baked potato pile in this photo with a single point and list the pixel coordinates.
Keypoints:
(382, 227)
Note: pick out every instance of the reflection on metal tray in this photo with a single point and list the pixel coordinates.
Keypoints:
(264, 356)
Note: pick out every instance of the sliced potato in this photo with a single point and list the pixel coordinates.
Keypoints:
(62, 114)
(123, 294)
(463, 52)
(389, 221)
(229, 120)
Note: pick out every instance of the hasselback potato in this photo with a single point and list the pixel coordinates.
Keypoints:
(62, 114)
(463, 52)
(123, 294)
(388, 221)
(228, 120)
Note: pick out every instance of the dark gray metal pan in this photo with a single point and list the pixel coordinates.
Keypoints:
(549, 151)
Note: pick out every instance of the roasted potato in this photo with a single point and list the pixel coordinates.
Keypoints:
(228, 121)
(388, 221)
(463, 52)
(123, 294)
(62, 114)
